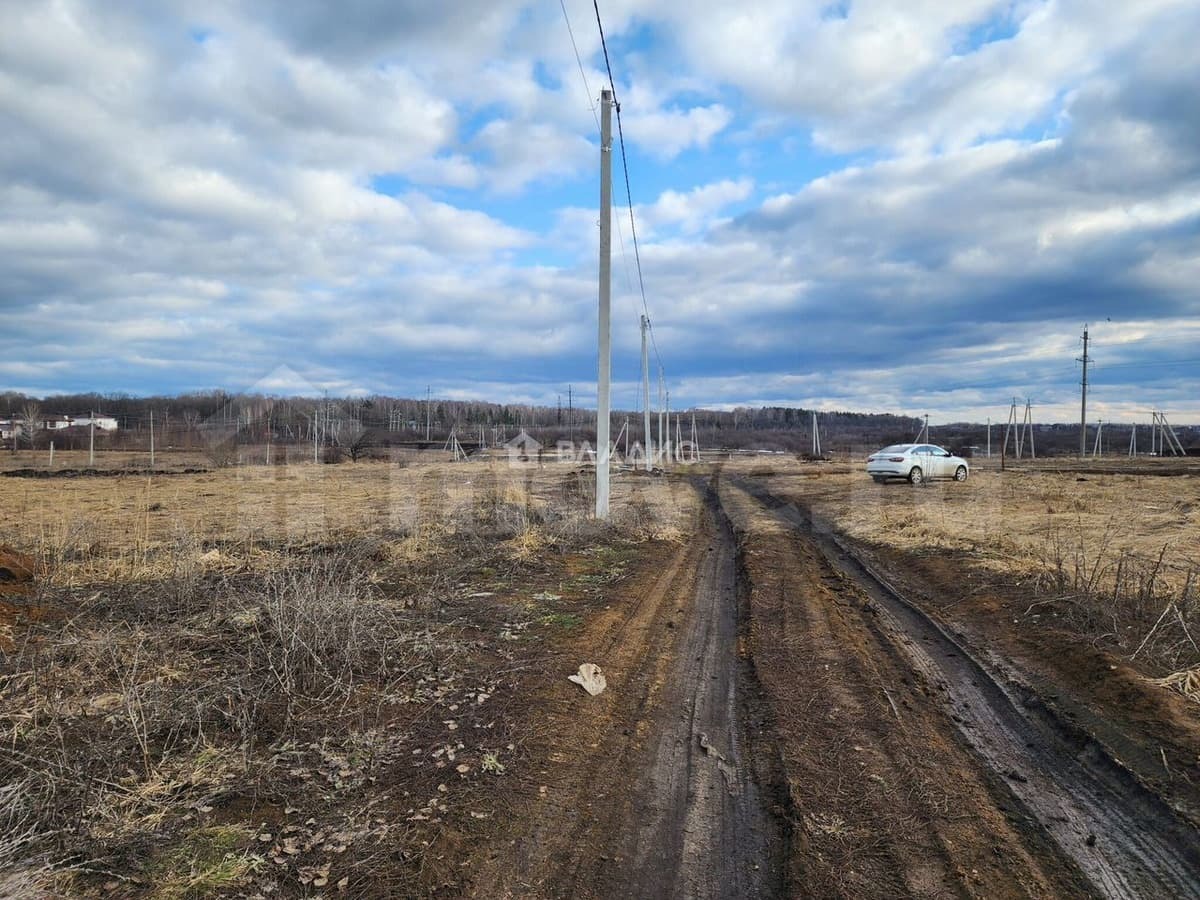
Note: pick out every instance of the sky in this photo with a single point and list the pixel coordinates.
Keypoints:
(910, 207)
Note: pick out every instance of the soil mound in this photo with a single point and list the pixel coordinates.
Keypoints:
(15, 567)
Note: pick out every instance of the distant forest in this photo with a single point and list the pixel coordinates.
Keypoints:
(358, 425)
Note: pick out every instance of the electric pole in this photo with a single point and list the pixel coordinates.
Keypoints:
(91, 438)
(152, 439)
(1029, 422)
(646, 395)
(666, 447)
(661, 389)
(605, 367)
(1085, 359)
(428, 410)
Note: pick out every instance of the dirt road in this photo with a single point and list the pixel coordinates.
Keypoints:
(780, 722)
(662, 788)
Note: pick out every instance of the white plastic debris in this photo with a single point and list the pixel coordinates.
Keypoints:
(590, 678)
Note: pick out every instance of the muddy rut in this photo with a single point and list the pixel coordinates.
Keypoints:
(662, 786)
(702, 826)
(1124, 840)
(780, 722)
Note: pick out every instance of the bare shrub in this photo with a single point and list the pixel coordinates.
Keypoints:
(503, 511)
(1121, 597)
(311, 627)
(222, 454)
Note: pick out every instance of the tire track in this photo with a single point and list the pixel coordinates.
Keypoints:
(1126, 840)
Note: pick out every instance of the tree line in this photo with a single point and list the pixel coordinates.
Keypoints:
(194, 420)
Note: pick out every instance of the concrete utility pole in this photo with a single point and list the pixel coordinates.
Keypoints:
(1085, 359)
(989, 439)
(603, 386)
(91, 438)
(646, 396)
(661, 390)
(1029, 424)
(152, 439)
(816, 436)
(666, 447)
(428, 410)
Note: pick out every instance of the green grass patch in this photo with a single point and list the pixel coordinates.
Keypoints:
(207, 860)
(562, 620)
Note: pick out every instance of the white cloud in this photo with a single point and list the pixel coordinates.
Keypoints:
(191, 188)
(521, 154)
(665, 133)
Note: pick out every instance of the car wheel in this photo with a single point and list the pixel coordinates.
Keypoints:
(960, 474)
(915, 475)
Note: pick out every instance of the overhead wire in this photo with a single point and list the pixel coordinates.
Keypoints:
(596, 117)
(628, 192)
(633, 224)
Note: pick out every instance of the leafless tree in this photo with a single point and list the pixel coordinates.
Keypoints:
(31, 421)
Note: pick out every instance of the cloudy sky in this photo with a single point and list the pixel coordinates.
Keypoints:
(898, 206)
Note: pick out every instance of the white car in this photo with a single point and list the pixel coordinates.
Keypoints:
(916, 462)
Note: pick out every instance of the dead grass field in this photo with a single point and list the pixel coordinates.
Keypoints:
(286, 680)
(1116, 556)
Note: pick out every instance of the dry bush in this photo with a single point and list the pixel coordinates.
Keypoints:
(120, 721)
(1121, 597)
(311, 625)
(325, 636)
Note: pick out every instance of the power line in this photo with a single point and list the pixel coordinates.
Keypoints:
(579, 61)
(596, 118)
(637, 256)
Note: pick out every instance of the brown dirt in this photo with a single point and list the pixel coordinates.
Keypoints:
(1154, 732)
(1072, 789)
(817, 736)
(887, 799)
(787, 713)
(944, 556)
(860, 751)
(16, 567)
(660, 786)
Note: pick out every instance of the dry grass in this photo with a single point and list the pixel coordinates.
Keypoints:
(1115, 557)
(277, 679)
(134, 528)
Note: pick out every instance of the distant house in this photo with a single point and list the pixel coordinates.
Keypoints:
(9, 429)
(55, 423)
(103, 422)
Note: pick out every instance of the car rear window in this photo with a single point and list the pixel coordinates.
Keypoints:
(896, 448)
